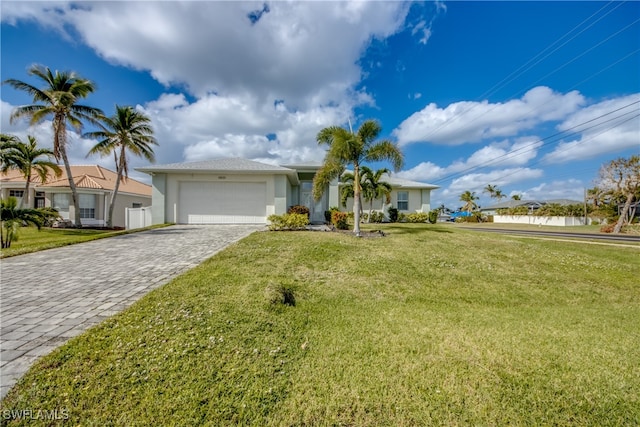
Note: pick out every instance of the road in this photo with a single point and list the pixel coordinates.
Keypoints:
(606, 237)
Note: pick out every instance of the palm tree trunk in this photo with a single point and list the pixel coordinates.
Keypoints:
(26, 193)
(623, 215)
(356, 199)
(112, 202)
(72, 184)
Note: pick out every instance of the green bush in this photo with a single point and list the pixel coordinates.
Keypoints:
(393, 214)
(377, 216)
(402, 217)
(299, 209)
(417, 217)
(290, 221)
(340, 220)
(433, 216)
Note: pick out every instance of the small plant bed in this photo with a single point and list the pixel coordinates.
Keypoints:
(436, 326)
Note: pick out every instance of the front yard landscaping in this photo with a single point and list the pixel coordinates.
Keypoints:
(430, 325)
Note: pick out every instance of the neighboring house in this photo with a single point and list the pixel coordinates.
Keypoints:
(95, 185)
(235, 190)
(406, 196)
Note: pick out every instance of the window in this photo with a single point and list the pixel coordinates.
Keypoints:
(61, 202)
(403, 200)
(135, 205)
(87, 206)
(16, 193)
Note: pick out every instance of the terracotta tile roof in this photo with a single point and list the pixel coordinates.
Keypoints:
(93, 177)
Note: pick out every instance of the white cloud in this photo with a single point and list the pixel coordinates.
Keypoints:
(610, 126)
(472, 122)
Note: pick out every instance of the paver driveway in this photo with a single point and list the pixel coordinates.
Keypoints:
(48, 297)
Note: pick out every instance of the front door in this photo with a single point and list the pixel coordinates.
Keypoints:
(316, 209)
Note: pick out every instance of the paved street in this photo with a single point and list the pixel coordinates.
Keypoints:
(50, 296)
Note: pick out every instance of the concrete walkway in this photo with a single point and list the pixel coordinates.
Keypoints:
(50, 296)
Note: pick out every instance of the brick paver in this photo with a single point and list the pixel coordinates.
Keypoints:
(50, 296)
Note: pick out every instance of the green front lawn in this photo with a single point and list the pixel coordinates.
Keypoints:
(431, 325)
(30, 239)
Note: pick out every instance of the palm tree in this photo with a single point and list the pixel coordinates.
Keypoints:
(516, 197)
(353, 148)
(499, 195)
(12, 218)
(7, 145)
(373, 188)
(27, 159)
(128, 130)
(469, 197)
(491, 189)
(58, 98)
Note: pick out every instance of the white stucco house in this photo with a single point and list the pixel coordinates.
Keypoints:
(241, 191)
(95, 186)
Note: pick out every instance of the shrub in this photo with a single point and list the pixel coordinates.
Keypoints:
(327, 214)
(433, 216)
(416, 217)
(340, 220)
(292, 221)
(377, 216)
(402, 217)
(393, 214)
(607, 228)
(299, 209)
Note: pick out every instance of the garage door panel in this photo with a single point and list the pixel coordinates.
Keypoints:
(221, 202)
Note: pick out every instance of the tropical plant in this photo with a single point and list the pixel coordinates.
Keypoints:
(622, 178)
(516, 197)
(128, 130)
(7, 145)
(29, 159)
(373, 188)
(12, 217)
(469, 198)
(499, 195)
(353, 148)
(58, 98)
(491, 189)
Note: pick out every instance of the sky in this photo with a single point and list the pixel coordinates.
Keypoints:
(530, 97)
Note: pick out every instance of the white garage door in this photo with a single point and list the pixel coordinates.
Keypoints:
(222, 202)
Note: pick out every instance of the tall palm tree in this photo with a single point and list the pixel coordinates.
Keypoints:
(499, 194)
(58, 98)
(8, 143)
(29, 159)
(491, 189)
(375, 188)
(347, 147)
(469, 197)
(127, 130)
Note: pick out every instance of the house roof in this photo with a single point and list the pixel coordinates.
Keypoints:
(404, 183)
(230, 165)
(93, 177)
(233, 164)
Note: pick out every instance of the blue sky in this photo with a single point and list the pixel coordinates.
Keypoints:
(530, 96)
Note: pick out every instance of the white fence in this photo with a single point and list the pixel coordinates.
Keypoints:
(137, 217)
(560, 221)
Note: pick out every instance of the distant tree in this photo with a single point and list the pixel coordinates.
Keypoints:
(128, 130)
(374, 187)
(58, 98)
(469, 197)
(499, 195)
(29, 159)
(491, 190)
(516, 197)
(347, 147)
(622, 177)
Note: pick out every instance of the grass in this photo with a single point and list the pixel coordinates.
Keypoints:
(30, 239)
(431, 325)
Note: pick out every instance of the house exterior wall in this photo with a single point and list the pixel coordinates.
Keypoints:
(124, 201)
(419, 201)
